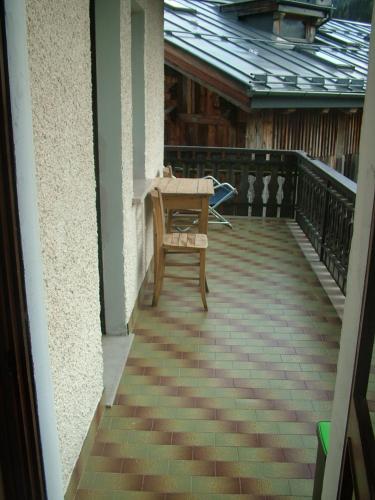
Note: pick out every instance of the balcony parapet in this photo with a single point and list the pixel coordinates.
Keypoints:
(282, 183)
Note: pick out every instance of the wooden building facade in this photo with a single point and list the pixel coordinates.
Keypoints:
(262, 74)
(196, 115)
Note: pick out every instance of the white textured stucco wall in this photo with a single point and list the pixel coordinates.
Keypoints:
(60, 74)
(137, 218)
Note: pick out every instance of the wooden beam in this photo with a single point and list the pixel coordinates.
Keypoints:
(203, 119)
(170, 106)
(350, 111)
(260, 130)
(288, 111)
(207, 76)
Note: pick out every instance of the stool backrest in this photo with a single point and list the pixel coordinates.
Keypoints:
(159, 218)
(167, 171)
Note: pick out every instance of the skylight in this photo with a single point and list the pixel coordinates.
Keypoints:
(325, 57)
(331, 59)
(339, 38)
(174, 5)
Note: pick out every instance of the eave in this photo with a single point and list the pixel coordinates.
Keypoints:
(247, 98)
(207, 76)
(307, 101)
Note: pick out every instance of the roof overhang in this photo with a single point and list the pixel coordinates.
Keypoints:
(299, 102)
(246, 99)
(207, 76)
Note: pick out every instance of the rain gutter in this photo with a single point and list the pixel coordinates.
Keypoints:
(268, 99)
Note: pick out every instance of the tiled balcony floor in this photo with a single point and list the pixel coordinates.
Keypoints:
(224, 403)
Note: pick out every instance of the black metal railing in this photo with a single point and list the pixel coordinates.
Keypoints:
(325, 213)
(289, 184)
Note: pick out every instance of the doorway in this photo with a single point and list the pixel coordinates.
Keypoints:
(22, 474)
(358, 481)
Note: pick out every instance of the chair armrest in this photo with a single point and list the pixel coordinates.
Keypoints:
(232, 188)
(215, 181)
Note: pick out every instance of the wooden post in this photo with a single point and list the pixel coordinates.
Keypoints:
(259, 130)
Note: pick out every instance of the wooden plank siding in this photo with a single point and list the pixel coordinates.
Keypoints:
(197, 116)
(328, 135)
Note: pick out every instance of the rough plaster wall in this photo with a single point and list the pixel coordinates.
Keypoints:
(60, 71)
(154, 75)
(137, 219)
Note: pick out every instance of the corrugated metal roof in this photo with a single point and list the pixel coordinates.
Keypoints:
(265, 64)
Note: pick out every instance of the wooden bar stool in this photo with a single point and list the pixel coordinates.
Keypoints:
(167, 171)
(177, 243)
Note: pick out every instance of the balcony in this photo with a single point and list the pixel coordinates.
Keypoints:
(282, 184)
(226, 402)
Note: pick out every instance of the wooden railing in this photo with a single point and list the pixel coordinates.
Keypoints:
(285, 184)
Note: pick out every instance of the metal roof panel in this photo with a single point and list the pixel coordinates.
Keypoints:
(336, 63)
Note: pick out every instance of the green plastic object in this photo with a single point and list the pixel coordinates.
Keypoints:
(324, 429)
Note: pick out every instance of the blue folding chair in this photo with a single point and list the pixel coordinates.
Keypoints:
(223, 192)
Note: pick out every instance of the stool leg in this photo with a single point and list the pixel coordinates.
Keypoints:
(202, 277)
(169, 220)
(159, 277)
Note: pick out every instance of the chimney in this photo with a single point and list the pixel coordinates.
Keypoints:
(295, 20)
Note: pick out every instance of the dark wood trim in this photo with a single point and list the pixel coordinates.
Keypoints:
(202, 119)
(357, 472)
(207, 76)
(360, 428)
(21, 457)
(347, 485)
(96, 160)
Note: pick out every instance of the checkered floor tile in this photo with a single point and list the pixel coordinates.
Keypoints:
(224, 404)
